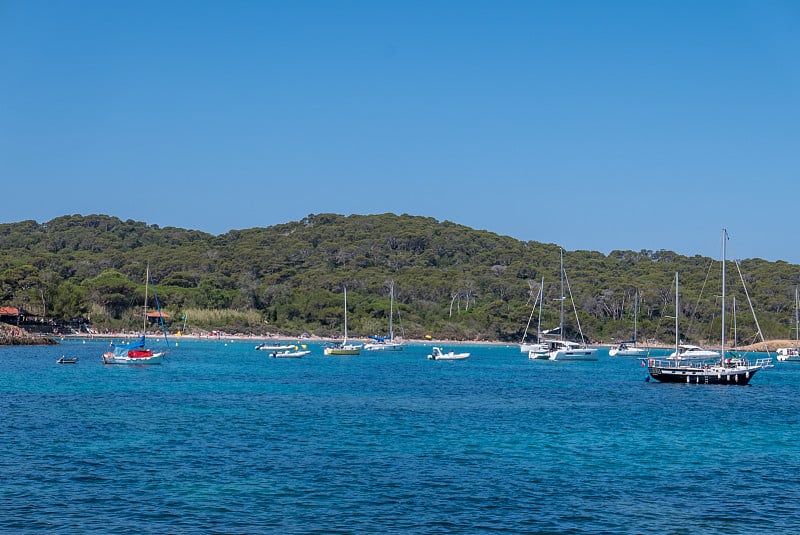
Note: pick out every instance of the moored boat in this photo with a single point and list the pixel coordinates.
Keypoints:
(438, 354)
(385, 343)
(628, 347)
(265, 346)
(293, 353)
(561, 349)
(788, 354)
(792, 354)
(564, 350)
(731, 370)
(343, 348)
(690, 352)
(527, 347)
(138, 352)
(624, 349)
(134, 353)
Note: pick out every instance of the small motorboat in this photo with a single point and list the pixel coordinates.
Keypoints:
(438, 354)
(289, 353)
(67, 360)
(275, 347)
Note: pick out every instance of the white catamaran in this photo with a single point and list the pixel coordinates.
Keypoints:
(561, 349)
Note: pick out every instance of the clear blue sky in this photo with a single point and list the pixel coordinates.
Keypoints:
(595, 125)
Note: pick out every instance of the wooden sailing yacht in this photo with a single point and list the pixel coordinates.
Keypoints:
(731, 370)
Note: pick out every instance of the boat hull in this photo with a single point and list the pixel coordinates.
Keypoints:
(585, 354)
(711, 375)
(688, 352)
(274, 347)
(111, 358)
(630, 352)
(438, 354)
(447, 356)
(788, 355)
(342, 351)
(565, 355)
(389, 346)
(289, 354)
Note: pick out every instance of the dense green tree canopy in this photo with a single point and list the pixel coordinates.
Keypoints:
(449, 280)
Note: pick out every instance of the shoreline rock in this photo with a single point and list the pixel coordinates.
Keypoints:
(11, 335)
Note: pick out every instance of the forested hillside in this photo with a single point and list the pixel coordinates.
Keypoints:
(450, 281)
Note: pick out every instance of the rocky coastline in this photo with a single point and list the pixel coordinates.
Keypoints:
(11, 335)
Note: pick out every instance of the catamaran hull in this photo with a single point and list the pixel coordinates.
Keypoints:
(586, 355)
(111, 358)
(575, 354)
(710, 376)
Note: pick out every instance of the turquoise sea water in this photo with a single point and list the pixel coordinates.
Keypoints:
(223, 439)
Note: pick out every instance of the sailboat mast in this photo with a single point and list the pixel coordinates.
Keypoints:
(345, 315)
(146, 282)
(677, 335)
(391, 306)
(561, 324)
(724, 239)
(796, 321)
(635, 314)
(541, 302)
(735, 333)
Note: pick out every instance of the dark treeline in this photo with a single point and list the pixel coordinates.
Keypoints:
(450, 281)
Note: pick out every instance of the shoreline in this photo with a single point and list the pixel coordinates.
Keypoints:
(772, 345)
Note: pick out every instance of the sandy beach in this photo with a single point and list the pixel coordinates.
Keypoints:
(769, 345)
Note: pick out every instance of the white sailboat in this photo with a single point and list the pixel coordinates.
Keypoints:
(380, 343)
(528, 347)
(343, 348)
(724, 371)
(137, 352)
(560, 349)
(628, 348)
(792, 354)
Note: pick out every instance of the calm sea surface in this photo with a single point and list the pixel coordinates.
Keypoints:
(223, 439)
